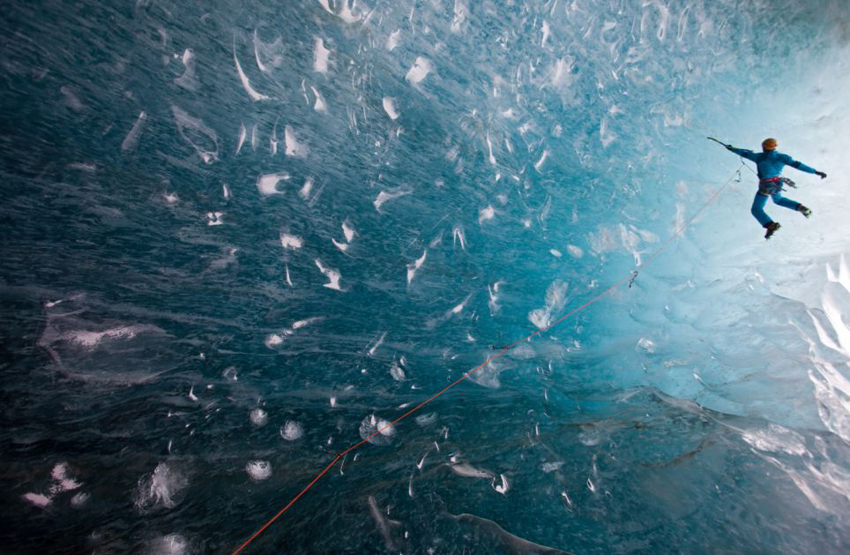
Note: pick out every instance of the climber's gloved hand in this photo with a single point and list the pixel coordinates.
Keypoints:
(821, 174)
(729, 147)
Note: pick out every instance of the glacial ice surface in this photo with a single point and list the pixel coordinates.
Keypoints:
(239, 237)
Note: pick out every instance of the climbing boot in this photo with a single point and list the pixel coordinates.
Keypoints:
(771, 228)
(805, 211)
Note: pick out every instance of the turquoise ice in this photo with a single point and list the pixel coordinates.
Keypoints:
(239, 237)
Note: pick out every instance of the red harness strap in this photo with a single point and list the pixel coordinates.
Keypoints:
(769, 187)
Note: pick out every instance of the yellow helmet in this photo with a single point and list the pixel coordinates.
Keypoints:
(769, 144)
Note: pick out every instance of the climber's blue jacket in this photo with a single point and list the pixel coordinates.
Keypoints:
(770, 163)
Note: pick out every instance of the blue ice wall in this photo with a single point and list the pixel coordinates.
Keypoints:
(238, 237)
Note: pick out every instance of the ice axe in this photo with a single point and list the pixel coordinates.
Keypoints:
(718, 142)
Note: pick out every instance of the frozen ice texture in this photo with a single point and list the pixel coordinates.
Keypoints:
(355, 203)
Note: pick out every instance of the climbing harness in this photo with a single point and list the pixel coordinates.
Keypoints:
(769, 187)
(630, 278)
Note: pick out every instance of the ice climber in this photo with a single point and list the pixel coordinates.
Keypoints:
(770, 163)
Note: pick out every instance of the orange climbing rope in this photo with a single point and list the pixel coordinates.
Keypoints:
(630, 278)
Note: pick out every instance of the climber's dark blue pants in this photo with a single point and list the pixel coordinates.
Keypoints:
(760, 200)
